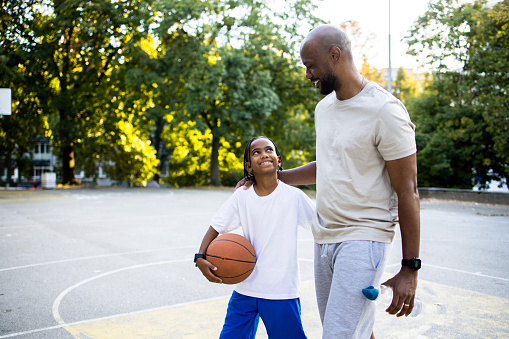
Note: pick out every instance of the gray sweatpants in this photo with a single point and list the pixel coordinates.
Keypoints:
(341, 272)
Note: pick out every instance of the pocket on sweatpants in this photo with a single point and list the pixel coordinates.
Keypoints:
(377, 253)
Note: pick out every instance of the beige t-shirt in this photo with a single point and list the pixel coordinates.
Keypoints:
(355, 198)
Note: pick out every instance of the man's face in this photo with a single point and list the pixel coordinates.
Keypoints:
(318, 69)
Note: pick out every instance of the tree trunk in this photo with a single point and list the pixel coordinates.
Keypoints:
(10, 168)
(160, 146)
(215, 180)
(68, 165)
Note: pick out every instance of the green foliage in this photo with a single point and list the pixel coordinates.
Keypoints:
(488, 65)
(236, 84)
(190, 165)
(29, 89)
(132, 85)
(462, 119)
(406, 85)
(453, 146)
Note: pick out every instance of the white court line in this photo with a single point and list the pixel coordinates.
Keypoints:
(81, 322)
(479, 274)
(58, 300)
(61, 325)
(93, 257)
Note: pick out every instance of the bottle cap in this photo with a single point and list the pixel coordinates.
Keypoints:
(370, 292)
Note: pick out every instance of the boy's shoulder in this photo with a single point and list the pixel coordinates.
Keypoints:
(292, 189)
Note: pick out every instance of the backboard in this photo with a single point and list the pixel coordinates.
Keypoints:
(5, 101)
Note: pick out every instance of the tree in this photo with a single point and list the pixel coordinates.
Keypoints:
(230, 91)
(29, 88)
(406, 85)
(80, 44)
(453, 145)
(467, 46)
(488, 65)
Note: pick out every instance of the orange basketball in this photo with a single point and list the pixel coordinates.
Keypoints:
(234, 257)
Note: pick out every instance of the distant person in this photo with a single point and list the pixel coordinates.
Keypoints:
(366, 181)
(268, 213)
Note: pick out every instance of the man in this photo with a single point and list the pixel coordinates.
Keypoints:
(366, 176)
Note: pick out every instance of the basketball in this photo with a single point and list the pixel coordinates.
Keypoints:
(234, 257)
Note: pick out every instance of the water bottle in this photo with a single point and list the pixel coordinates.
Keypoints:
(384, 298)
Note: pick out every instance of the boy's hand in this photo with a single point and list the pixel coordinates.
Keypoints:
(244, 182)
(207, 269)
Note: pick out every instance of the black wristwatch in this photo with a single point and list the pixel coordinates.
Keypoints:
(414, 263)
(197, 256)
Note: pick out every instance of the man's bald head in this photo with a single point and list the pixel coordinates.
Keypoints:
(324, 37)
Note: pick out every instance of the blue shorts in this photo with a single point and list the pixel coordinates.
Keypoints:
(280, 317)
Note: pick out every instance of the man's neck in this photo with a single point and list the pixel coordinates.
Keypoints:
(351, 88)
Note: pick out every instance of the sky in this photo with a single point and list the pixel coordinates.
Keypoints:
(373, 18)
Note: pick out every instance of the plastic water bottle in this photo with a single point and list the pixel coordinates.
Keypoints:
(384, 298)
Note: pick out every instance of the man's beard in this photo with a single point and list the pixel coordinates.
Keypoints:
(327, 83)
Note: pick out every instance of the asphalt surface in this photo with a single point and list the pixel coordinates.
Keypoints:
(108, 263)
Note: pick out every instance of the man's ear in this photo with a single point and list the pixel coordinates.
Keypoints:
(335, 53)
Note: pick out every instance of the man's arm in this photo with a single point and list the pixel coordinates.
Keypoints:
(302, 175)
(403, 175)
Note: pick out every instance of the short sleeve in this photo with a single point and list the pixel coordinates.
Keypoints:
(395, 137)
(307, 211)
(227, 218)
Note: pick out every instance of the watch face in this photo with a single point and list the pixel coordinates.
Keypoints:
(413, 263)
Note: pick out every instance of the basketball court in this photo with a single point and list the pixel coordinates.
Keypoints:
(117, 263)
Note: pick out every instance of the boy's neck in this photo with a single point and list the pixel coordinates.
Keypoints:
(265, 185)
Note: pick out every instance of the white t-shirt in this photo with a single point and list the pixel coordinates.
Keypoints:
(355, 198)
(270, 224)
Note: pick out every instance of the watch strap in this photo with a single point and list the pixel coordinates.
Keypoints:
(414, 263)
(197, 256)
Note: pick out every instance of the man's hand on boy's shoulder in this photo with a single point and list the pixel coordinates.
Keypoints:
(207, 269)
(244, 182)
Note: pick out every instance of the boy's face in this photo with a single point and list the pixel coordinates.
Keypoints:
(264, 158)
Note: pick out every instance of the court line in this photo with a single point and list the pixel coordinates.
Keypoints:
(81, 322)
(93, 257)
(62, 325)
(58, 300)
(478, 274)
(102, 256)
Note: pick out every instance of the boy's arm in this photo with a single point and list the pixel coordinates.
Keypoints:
(302, 175)
(205, 266)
